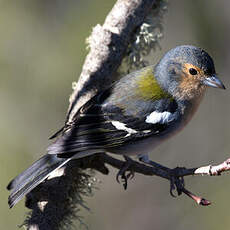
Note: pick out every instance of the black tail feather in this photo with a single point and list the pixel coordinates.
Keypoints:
(33, 176)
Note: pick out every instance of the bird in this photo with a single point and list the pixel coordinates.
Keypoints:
(131, 117)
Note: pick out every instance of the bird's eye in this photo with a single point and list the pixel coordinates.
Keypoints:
(192, 71)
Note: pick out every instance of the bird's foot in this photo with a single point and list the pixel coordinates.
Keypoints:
(123, 172)
(176, 182)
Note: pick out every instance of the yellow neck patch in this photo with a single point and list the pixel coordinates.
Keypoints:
(148, 87)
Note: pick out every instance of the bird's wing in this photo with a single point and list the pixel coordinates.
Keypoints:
(102, 127)
(109, 121)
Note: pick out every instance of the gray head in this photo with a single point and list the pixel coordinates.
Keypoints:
(186, 71)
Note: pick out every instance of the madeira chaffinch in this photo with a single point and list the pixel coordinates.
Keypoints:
(134, 115)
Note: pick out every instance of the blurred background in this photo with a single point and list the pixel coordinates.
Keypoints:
(42, 49)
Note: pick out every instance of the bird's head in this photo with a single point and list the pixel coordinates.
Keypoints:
(186, 71)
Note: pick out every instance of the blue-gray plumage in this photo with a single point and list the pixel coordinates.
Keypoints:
(131, 117)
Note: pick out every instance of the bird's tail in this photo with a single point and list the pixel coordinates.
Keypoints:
(34, 175)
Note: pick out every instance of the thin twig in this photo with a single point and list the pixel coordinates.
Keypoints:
(210, 170)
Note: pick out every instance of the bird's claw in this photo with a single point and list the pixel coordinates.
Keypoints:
(124, 180)
(122, 174)
(176, 182)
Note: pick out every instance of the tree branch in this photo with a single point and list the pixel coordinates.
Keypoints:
(108, 44)
(54, 202)
(210, 170)
(45, 200)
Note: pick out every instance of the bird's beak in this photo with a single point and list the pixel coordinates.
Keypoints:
(213, 81)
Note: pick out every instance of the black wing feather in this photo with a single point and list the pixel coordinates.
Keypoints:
(92, 127)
